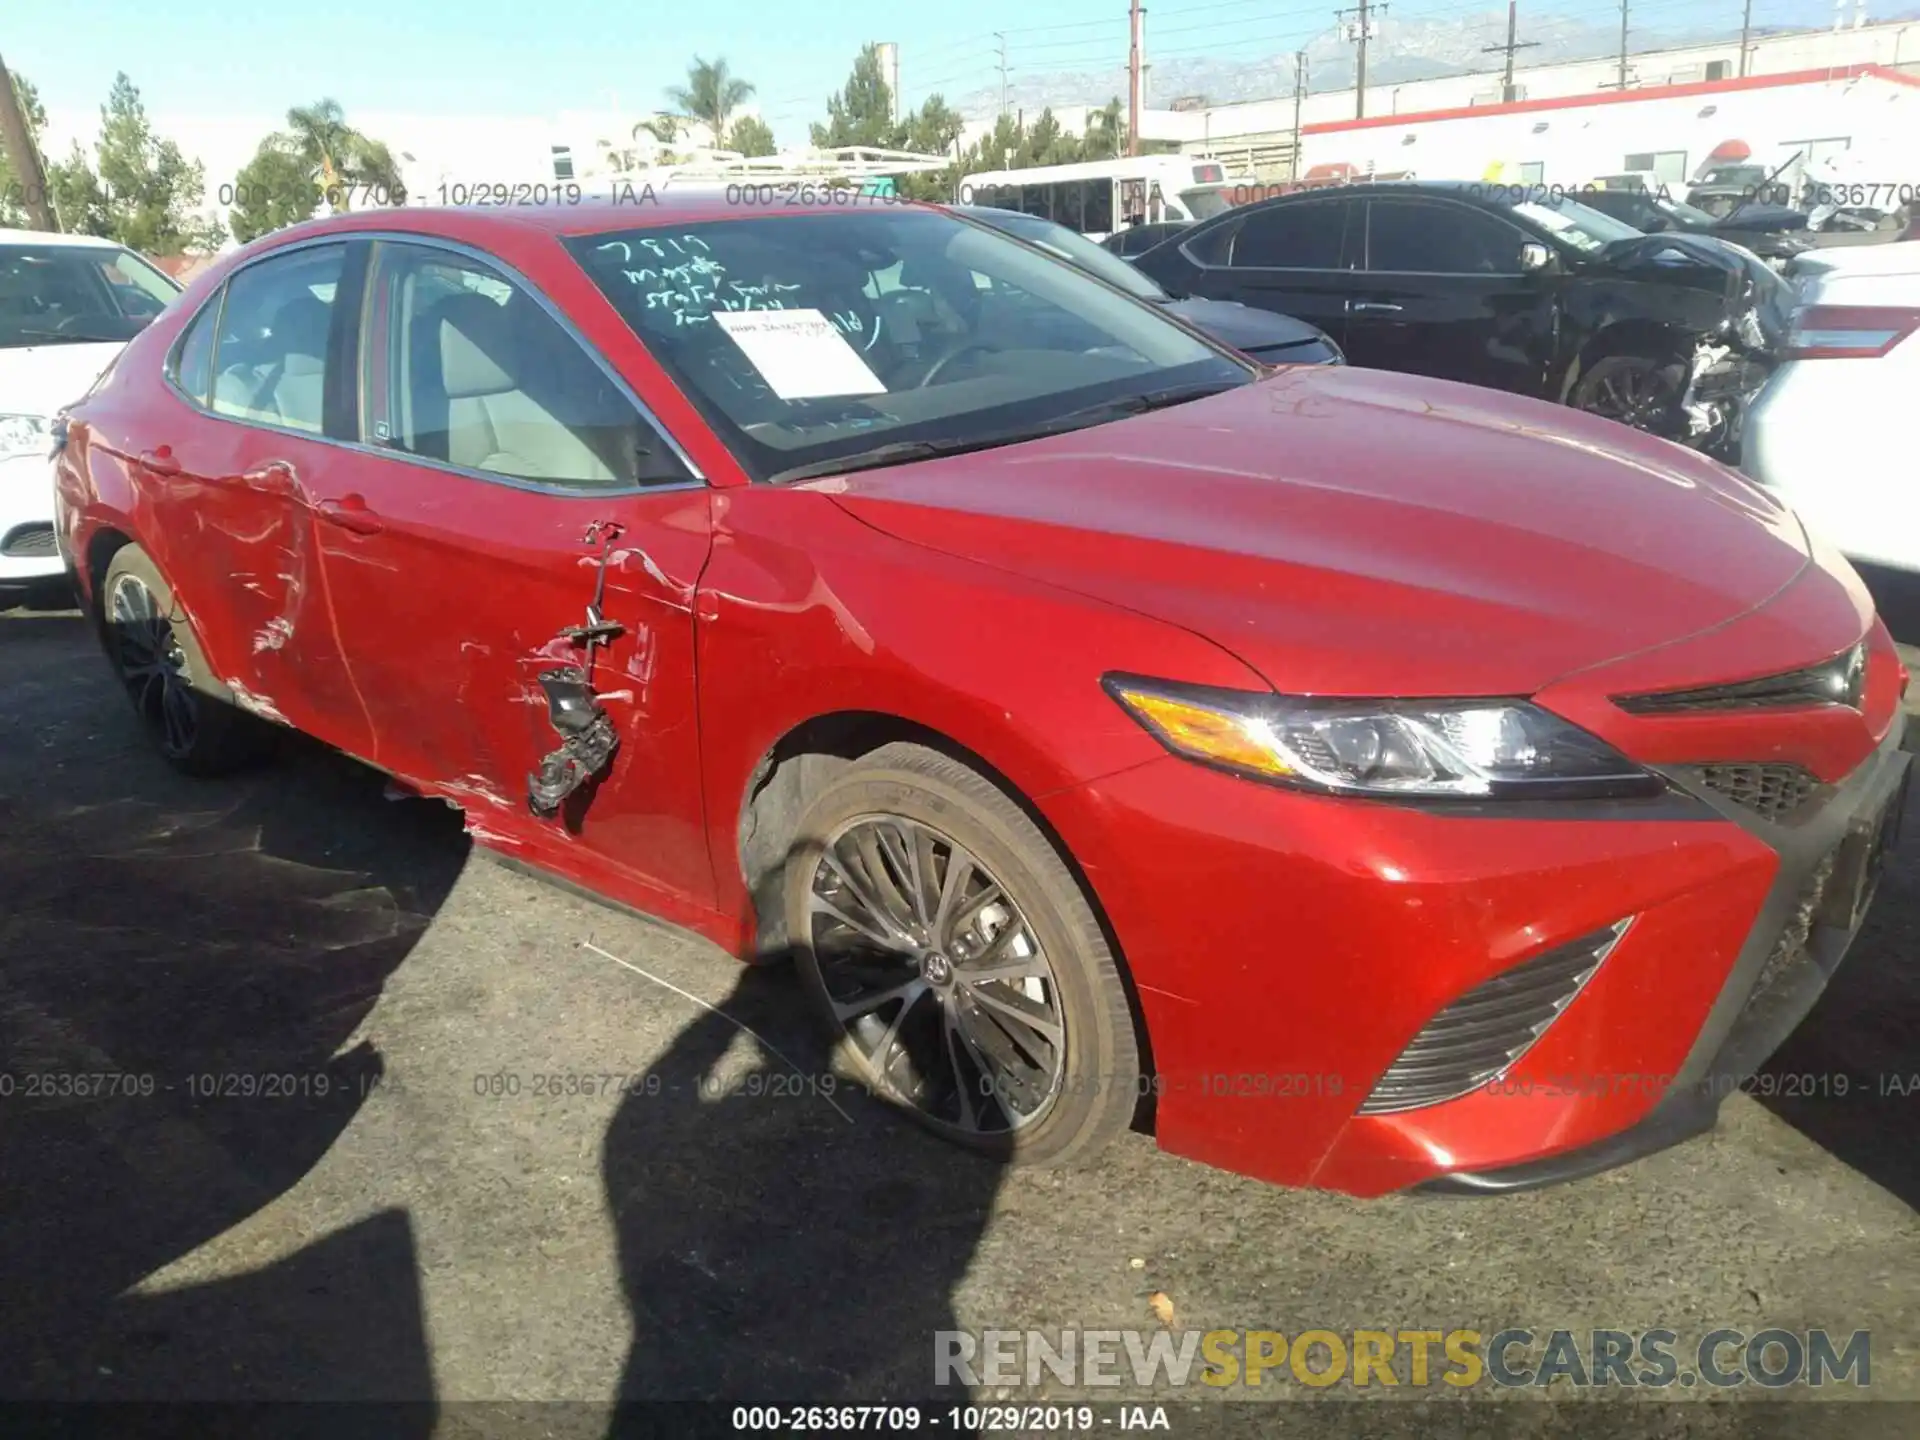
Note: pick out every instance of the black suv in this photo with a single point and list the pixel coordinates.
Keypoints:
(1513, 287)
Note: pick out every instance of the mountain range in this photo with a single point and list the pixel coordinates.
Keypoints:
(1402, 51)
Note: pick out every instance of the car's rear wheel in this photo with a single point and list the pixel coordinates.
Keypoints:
(959, 965)
(185, 709)
(1636, 390)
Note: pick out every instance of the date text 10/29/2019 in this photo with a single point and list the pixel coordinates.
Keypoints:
(957, 1419)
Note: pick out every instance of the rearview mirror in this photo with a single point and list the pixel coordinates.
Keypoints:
(1534, 256)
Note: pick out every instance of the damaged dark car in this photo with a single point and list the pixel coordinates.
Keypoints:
(1510, 287)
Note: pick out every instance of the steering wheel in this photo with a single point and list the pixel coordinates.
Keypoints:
(948, 356)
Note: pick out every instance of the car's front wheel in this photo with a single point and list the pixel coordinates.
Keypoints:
(186, 710)
(957, 961)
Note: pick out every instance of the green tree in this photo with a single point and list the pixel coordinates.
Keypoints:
(78, 201)
(862, 113)
(151, 190)
(711, 95)
(13, 210)
(273, 190)
(751, 136)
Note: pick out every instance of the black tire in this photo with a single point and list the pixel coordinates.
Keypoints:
(1641, 391)
(1098, 1082)
(186, 710)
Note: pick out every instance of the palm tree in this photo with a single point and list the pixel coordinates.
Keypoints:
(711, 95)
(339, 157)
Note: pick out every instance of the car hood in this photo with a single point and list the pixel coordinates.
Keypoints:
(40, 379)
(1348, 531)
(1244, 327)
(1757, 304)
(1758, 216)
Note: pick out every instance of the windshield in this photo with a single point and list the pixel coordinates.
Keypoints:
(1205, 202)
(1580, 226)
(1072, 247)
(68, 294)
(807, 338)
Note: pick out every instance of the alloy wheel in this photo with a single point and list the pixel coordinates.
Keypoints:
(153, 666)
(936, 977)
(1637, 393)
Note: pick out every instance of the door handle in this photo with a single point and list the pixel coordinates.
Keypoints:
(350, 512)
(1372, 307)
(160, 462)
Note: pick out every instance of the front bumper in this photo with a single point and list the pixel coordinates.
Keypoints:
(1791, 952)
(1287, 949)
(28, 552)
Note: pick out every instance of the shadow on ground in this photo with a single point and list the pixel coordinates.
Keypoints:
(181, 963)
(783, 1238)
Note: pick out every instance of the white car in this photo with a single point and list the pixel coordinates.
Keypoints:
(1827, 433)
(67, 305)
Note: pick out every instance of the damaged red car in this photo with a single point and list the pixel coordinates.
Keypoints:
(1365, 781)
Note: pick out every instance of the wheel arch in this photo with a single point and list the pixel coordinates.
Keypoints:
(103, 544)
(808, 757)
(1636, 336)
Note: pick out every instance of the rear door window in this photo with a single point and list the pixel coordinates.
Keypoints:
(1309, 236)
(270, 366)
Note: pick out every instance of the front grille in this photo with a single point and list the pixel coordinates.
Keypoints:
(1479, 1036)
(1839, 681)
(1773, 792)
(25, 542)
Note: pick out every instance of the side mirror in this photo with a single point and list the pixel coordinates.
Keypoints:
(1534, 257)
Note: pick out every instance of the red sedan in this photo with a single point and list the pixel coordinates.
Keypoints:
(1369, 782)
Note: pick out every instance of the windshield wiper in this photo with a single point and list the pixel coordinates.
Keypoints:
(904, 452)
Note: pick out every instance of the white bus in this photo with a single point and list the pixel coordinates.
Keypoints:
(1099, 197)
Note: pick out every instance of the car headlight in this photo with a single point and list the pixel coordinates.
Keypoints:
(25, 435)
(1464, 749)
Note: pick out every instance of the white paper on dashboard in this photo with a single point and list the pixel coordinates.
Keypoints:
(800, 353)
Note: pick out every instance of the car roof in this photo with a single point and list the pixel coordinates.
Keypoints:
(646, 208)
(52, 237)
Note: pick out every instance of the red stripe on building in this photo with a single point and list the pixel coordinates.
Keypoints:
(1650, 92)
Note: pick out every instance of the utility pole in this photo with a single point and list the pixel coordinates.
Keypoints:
(1361, 30)
(21, 152)
(1003, 72)
(1299, 97)
(1746, 31)
(1623, 46)
(1513, 19)
(1133, 77)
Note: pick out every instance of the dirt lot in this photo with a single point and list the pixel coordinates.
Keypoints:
(431, 1228)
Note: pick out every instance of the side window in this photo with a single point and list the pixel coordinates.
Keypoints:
(191, 366)
(466, 368)
(1408, 236)
(1097, 217)
(271, 363)
(1292, 237)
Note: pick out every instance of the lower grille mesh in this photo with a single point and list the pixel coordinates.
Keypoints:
(28, 541)
(1773, 792)
(1480, 1035)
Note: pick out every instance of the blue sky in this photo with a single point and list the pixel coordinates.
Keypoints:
(515, 57)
